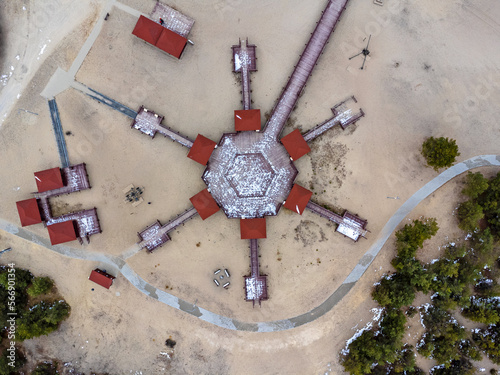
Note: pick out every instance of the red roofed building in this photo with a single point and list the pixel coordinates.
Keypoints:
(205, 204)
(295, 144)
(159, 36)
(297, 199)
(202, 149)
(247, 120)
(49, 179)
(171, 43)
(61, 232)
(102, 278)
(29, 213)
(253, 228)
(147, 30)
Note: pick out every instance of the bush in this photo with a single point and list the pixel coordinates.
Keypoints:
(46, 368)
(440, 152)
(40, 285)
(475, 185)
(41, 319)
(469, 213)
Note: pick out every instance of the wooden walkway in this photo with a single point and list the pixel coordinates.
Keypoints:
(155, 241)
(350, 225)
(304, 67)
(244, 63)
(342, 116)
(149, 123)
(254, 258)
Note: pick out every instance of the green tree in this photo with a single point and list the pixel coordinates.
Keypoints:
(469, 213)
(395, 290)
(412, 236)
(488, 340)
(440, 152)
(5, 362)
(475, 185)
(46, 368)
(41, 319)
(40, 285)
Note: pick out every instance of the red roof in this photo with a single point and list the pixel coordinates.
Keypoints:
(205, 204)
(252, 228)
(29, 212)
(49, 179)
(101, 278)
(295, 144)
(247, 120)
(202, 149)
(61, 232)
(160, 36)
(147, 30)
(298, 198)
(172, 43)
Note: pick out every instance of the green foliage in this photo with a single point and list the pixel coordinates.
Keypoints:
(475, 185)
(395, 290)
(469, 213)
(462, 366)
(488, 340)
(440, 152)
(46, 368)
(22, 279)
(444, 340)
(19, 361)
(412, 236)
(40, 285)
(483, 310)
(41, 319)
(363, 352)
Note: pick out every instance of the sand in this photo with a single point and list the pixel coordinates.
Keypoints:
(425, 77)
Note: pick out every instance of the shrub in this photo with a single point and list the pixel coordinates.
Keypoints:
(440, 152)
(40, 285)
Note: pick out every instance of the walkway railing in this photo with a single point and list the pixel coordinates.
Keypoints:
(304, 67)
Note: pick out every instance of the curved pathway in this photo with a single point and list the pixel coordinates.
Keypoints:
(277, 325)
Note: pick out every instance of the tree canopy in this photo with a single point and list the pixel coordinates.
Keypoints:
(440, 152)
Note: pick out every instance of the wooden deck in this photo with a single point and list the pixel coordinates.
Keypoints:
(156, 234)
(255, 284)
(149, 123)
(244, 61)
(343, 115)
(75, 179)
(349, 225)
(304, 67)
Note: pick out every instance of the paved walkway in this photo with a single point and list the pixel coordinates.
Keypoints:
(58, 132)
(120, 265)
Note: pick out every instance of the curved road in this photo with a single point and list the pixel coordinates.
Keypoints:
(277, 325)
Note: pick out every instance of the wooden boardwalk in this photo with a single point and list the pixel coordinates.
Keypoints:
(157, 238)
(342, 116)
(304, 67)
(245, 62)
(149, 123)
(349, 225)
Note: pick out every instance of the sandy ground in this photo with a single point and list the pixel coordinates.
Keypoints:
(426, 76)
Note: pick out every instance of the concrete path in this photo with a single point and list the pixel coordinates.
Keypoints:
(58, 132)
(119, 264)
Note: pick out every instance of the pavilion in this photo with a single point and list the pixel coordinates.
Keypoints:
(102, 278)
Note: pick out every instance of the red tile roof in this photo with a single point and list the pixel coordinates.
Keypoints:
(159, 36)
(205, 204)
(253, 228)
(101, 278)
(49, 179)
(202, 149)
(297, 199)
(171, 43)
(295, 144)
(29, 213)
(61, 232)
(147, 30)
(247, 120)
